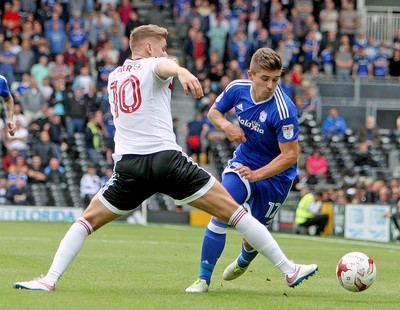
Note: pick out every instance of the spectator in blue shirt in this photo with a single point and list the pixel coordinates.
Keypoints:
(310, 49)
(381, 63)
(105, 70)
(372, 48)
(327, 59)
(22, 86)
(78, 37)
(334, 124)
(288, 86)
(55, 18)
(360, 42)
(294, 45)
(57, 38)
(7, 62)
(362, 66)
(277, 27)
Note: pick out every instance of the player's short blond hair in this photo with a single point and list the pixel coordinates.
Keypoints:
(265, 59)
(145, 32)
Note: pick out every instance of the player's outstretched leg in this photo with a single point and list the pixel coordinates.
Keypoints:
(71, 244)
(67, 250)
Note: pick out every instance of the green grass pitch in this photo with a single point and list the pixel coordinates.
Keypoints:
(125, 266)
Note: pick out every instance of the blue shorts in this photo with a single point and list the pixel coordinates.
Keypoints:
(262, 198)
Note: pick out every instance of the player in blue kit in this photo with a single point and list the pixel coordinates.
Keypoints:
(263, 167)
(8, 106)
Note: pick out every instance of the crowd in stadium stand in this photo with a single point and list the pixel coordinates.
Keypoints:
(57, 55)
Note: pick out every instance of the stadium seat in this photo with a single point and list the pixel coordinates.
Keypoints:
(58, 195)
(39, 194)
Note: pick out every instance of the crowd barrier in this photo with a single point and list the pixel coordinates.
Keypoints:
(352, 221)
(39, 214)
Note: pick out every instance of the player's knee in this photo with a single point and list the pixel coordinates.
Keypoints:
(225, 213)
(97, 214)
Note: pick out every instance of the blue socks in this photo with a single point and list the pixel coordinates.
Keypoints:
(213, 245)
(246, 257)
(215, 234)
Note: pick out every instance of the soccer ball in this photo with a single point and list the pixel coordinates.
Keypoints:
(356, 271)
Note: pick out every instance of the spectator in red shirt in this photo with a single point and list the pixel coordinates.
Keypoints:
(12, 19)
(200, 47)
(10, 159)
(124, 10)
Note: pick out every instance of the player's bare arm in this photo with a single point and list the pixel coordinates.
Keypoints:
(189, 82)
(233, 132)
(287, 158)
(9, 110)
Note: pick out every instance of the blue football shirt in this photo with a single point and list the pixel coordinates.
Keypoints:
(264, 124)
(4, 90)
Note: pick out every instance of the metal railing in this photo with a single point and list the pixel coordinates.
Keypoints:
(381, 23)
(359, 98)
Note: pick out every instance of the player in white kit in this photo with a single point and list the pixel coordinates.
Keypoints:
(148, 160)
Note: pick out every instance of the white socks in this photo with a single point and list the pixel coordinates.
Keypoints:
(258, 236)
(68, 249)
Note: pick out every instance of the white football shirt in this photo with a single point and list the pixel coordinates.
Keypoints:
(140, 103)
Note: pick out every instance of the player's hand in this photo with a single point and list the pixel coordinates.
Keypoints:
(247, 173)
(190, 83)
(235, 134)
(11, 128)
